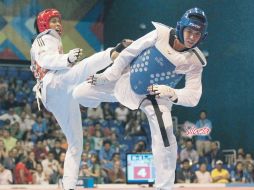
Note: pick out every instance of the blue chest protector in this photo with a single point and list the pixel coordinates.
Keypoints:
(152, 67)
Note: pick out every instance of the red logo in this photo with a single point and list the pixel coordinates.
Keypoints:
(191, 130)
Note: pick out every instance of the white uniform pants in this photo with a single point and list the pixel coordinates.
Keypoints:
(60, 102)
(164, 158)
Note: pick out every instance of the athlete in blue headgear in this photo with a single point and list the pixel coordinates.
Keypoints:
(145, 76)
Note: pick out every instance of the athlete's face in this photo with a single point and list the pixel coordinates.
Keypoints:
(191, 37)
(55, 24)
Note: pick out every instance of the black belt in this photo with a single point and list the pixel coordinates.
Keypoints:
(158, 114)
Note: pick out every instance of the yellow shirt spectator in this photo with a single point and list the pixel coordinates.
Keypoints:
(220, 175)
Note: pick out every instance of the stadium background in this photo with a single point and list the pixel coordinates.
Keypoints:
(94, 25)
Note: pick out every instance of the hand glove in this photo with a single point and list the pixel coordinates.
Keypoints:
(74, 55)
(161, 91)
(97, 79)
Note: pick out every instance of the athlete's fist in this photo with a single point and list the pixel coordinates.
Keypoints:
(97, 79)
(162, 91)
(74, 55)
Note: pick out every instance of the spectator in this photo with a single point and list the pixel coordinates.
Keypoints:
(140, 147)
(57, 150)
(203, 176)
(22, 174)
(10, 102)
(133, 128)
(239, 175)
(98, 140)
(31, 163)
(11, 116)
(106, 152)
(220, 175)
(116, 174)
(39, 176)
(250, 173)
(3, 152)
(51, 167)
(203, 142)
(11, 160)
(93, 169)
(248, 159)
(107, 111)
(39, 151)
(61, 164)
(95, 113)
(189, 153)
(39, 129)
(214, 154)
(9, 141)
(5, 175)
(121, 113)
(185, 175)
(25, 122)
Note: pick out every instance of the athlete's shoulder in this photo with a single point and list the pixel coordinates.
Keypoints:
(48, 36)
(199, 54)
(161, 27)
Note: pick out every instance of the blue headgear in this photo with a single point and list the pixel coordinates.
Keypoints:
(196, 19)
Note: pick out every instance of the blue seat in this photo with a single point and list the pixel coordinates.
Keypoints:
(26, 75)
(12, 72)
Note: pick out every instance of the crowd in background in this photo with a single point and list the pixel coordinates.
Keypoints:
(32, 146)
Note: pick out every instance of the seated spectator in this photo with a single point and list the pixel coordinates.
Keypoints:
(121, 113)
(3, 152)
(9, 141)
(214, 154)
(98, 140)
(51, 167)
(248, 159)
(39, 129)
(11, 116)
(133, 128)
(250, 173)
(39, 151)
(92, 169)
(140, 147)
(238, 175)
(203, 176)
(22, 174)
(10, 160)
(5, 175)
(116, 174)
(31, 162)
(108, 112)
(203, 142)
(57, 150)
(240, 155)
(189, 153)
(106, 152)
(39, 176)
(185, 175)
(95, 113)
(26, 122)
(219, 174)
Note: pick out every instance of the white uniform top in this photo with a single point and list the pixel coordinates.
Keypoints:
(186, 63)
(47, 57)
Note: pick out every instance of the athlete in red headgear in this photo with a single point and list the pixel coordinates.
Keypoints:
(57, 74)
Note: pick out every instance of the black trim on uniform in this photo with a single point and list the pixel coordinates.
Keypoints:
(158, 114)
(102, 70)
(198, 56)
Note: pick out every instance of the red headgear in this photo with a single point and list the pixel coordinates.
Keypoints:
(44, 17)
